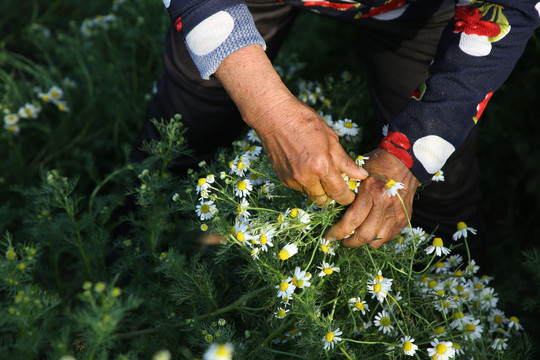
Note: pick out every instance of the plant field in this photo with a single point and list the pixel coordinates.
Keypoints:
(104, 258)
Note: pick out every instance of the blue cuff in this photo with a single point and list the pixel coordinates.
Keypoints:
(220, 35)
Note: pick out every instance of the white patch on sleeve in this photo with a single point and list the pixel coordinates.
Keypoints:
(209, 34)
(432, 151)
(474, 45)
(392, 14)
(537, 7)
(167, 3)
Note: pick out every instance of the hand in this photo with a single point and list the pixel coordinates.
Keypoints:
(304, 151)
(376, 218)
(306, 154)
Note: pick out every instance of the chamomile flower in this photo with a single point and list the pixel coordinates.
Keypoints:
(383, 322)
(243, 188)
(267, 189)
(241, 231)
(353, 184)
(287, 251)
(361, 160)
(240, 165)
(379, 286)
(285, 288)
(499, 344)
(281, 313)
(301, 278)
(357, 304)
(326, 246)
(462, 231)
(439, 176)
(255, 253)
(293, 333)
(473, 330)
(11, 119)
(202, 185)
(299, 215)
(331, 339)
(408, 346)
(513, 323)
(265, 238)
(441, 350)
(242, 209)
(252, 152)
(346, 127)
(437, 246)
(327, 269)
(29, 111)
(392, 188)
(253, 137)
(471, 268)
(219, 352)
(206, 209)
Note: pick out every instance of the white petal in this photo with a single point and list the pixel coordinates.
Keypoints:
(432, 151)
(210, 33)
(167, 3)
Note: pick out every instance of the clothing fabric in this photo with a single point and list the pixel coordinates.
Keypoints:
(477, 51)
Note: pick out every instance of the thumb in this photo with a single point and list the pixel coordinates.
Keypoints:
(349, 167)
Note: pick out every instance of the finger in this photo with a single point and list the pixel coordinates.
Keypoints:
(371, 229)
(316, 193)
(336, 188)
(348, 166)
(352, 219)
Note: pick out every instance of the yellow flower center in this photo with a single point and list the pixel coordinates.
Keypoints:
(378, 278)
(385, 322)
(440, 348)
(328, 271)
(295, 212)
(514, 319)
(294, 331)
(432, 284)
(439, 265)
(459, 315)
(300, 283)
(281, 313)
(348, 124)
(456, 346)
(283, 286)
(352, 184)
(205, 208)
(478, 286)
(461, 225)
(400, 240)
(470, 327)
(240, 236)
(242, 185)
(439, 330)
(460, 288)
(407, 346)
(263, 239)
(458, 273)
(240, 165)
(330, 336)
(390, 183)
(324, 248)
(222, 350)
(280, 218)
(377, 287)
(284, 254)
(498, 319)
(437, 242)
(201, 181)
(440, 292)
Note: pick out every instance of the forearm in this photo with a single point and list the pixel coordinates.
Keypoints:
(254, 85)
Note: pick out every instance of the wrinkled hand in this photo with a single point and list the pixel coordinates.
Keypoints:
(304, 151)
(376, 218)
(306, 154)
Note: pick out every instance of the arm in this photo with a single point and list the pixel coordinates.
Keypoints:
(304, 151)
(476, 53)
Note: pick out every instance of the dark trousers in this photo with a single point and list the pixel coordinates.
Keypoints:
(396, 55)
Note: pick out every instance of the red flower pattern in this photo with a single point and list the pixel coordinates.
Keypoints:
(468, 21)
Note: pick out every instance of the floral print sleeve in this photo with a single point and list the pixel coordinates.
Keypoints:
(478, 50)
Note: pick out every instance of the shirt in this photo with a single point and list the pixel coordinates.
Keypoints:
(476, 53)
